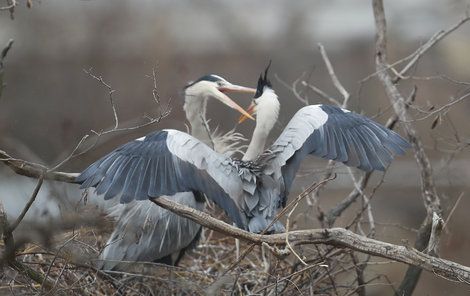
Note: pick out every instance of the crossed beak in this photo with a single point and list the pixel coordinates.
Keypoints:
(251, 110)
(232, 88)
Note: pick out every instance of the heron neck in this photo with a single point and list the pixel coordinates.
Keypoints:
(266, 116)
(258, 141)
(195, 109)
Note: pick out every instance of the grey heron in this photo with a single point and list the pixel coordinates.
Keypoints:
(146, 232)
(254, 189)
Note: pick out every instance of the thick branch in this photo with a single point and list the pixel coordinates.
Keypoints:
(34, 170)
(338, 237)
(430, 197)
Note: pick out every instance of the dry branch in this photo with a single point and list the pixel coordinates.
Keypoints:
(333, 76)
(3, 55)
(28, 205)
(34, 170)
(10, 7)
(430, 197)
(337, 237)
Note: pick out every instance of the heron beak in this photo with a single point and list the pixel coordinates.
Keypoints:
(251, 110)
(233, 88)
(227, 101)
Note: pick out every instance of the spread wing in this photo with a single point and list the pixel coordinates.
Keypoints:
(336, 134)
(164, 163)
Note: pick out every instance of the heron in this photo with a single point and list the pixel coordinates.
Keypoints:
(254, 189)
(146, 232)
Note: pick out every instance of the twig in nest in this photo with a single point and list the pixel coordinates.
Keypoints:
(301, 196)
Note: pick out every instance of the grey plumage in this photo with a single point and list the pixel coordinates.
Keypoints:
(146, 232)
(173, 161)
(330, 133)
(335, 134)
(253, 191)
(164, 163)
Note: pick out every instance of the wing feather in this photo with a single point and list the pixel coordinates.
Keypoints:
(331, 133)
(146, 232)
(164, 163)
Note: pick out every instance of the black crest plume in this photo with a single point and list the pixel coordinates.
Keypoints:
(263, 81)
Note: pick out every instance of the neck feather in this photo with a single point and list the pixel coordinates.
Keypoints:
(256, 147)
(267, 115)
(195, 109)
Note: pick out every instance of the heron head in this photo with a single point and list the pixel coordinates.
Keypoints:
(214, 86)
(265, 99)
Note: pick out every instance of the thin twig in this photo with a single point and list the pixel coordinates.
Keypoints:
(54, 259)
(441, 109)
(3, 54)
(333, 76)
(6, 49)
(17, 222)
(321, 93)
(287, 237)
(415, 56)
(453, 209)
(110, 94)
(429, 44)
(281, 213)
(71, 155)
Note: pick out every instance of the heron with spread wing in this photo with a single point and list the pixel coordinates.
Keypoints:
(146, 232)
(254, 189)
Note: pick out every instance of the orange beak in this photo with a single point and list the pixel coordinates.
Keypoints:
(250, 111)
(233, 88)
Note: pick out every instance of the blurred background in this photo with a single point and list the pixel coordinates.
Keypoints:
(49, 103)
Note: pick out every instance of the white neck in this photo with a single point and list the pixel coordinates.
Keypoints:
(195, 108)
(266, 116)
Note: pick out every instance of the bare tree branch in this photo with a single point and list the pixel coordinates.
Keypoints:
(430, 196)
(3, 55)
(333, 76)
(110, 94)
(417, 54)
(337, 237)
(320, 92)
(28, 205)
(428, 45)
(443, 108)
(34, 170)
(11, 4)
(312, 188)
(431, 199)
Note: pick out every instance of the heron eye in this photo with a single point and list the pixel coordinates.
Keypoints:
(220, 83)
